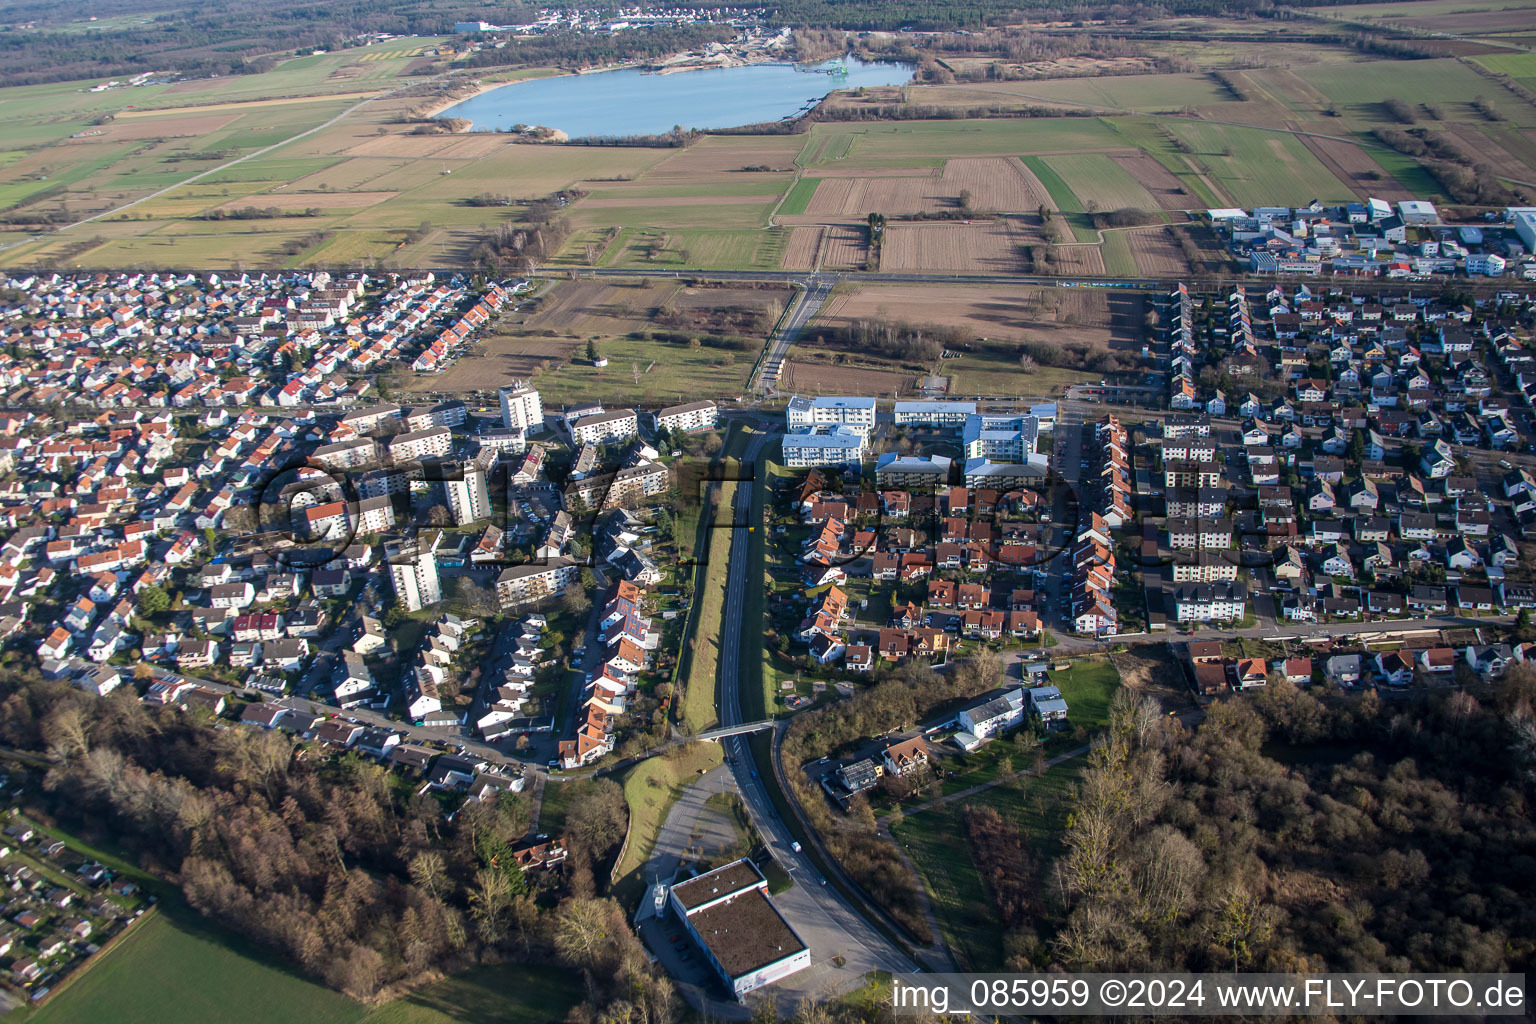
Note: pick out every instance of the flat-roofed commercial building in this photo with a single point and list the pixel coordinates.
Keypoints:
(742, 935)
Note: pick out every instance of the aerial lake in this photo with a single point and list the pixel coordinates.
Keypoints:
(608, 103)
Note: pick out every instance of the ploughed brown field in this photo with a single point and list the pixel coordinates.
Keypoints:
(1156, 253)
(1064, 315)
(995, 184)
(1157, 180)
(985, 247)
(844, 247)
(803, 248)
(816, 378)
(1354, 166)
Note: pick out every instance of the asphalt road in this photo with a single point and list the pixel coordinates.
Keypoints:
(830, 926)
(877, 277)
(805, 306)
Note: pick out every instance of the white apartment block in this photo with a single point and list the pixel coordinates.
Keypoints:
(933, 413)
(618, 425)
(447, 414)
(1203, 567)
(525, 584)
(434, 442)
(521, 407)
(345, 454)
(1000, 438)
(468, 498)
(375, 515)
(503, 441)
(413, 573)
(1209, 602)
(692, 416)
(837, 446)
(828, 411)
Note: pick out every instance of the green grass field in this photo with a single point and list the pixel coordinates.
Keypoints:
(1143, 93)
(165, 973)
(988, 372)
(939, 139)
(168, 972)
(650, 789)
(668, 373)
(1118, 261)
(1095, 178)
(1358, 90)
(1088, 687)
(1261, 168)
(701, 684)
(799, 196)
(750, 249)
(935, 840)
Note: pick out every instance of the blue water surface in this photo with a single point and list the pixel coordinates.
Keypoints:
(608, 103)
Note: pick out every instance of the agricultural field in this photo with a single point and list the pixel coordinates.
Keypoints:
(1098, 179)
(173, 174)
(999, 318)
(1154, 252)
(1357, 92)
(1098, 318)
(547, 344)
(1483, 18)
(814, 377)
(978, 247)
(1257, 168)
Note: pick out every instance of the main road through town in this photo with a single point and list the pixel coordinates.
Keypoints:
(828, 924)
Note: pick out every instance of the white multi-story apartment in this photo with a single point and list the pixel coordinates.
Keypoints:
(618, 425)
(503, 441)
(525, 584)
(468, 498)
(692, 416)
(1000, 438)
(838, 446)
(375, 514)
(831, 410)
(521, 407)
(933, 413)
(413, 572)
(345, 454)
(446, 414)
(371, 417)
(1209, 602)
(434, 442)
(1203, 567)
(327, 521)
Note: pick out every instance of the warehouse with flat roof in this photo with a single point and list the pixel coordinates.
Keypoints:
(743, 936)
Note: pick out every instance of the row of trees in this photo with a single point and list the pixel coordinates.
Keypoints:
(1465, 177)
(915, 343)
